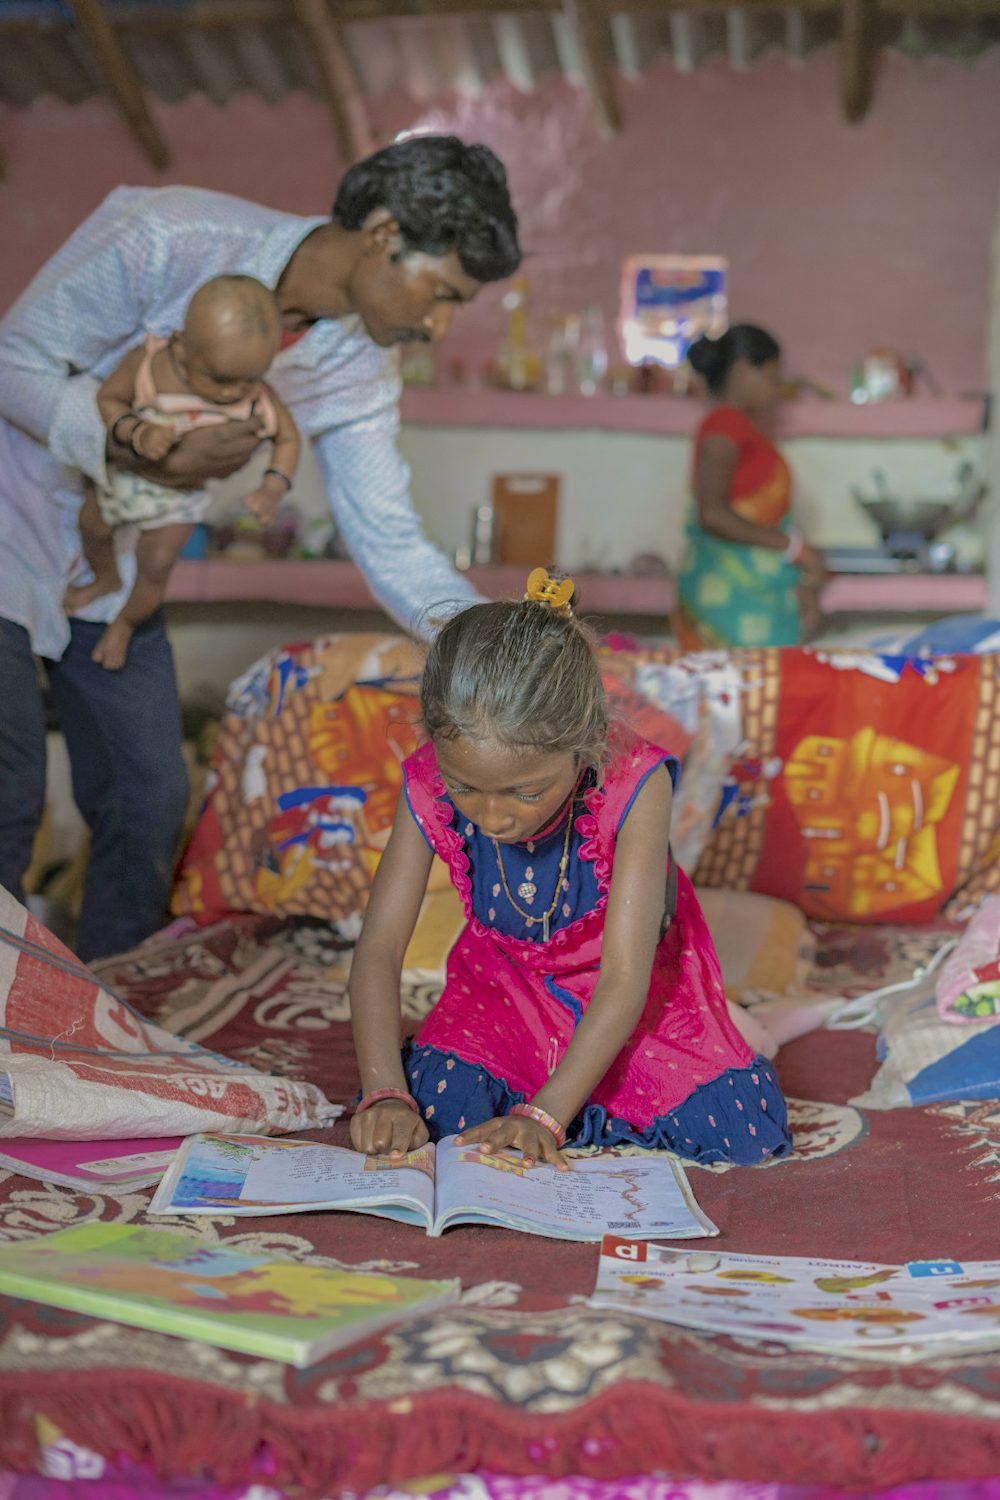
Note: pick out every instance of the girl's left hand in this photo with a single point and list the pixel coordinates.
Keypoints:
(519, 1133)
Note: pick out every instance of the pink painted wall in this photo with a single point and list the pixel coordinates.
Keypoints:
(839, 238)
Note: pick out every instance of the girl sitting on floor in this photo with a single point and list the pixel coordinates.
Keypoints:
(583, 1001)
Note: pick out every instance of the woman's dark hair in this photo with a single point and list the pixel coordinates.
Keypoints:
(714, 358)
(444, 195)
(521, 675)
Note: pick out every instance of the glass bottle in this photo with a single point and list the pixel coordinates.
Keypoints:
(592, 352)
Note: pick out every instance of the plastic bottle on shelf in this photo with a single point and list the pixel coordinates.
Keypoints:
(592, 352)
(560, 355)
(518, 365)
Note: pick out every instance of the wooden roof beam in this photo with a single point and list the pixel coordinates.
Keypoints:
(140, 16)
(590, 32)
(340, 83)
(857, 57)
(796, 35)
(687, 40)
(739, 38)
(625, 45)
(515, 53)
(120, 78)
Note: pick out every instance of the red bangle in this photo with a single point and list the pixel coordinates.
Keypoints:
(378, 1095)
(543, 1118)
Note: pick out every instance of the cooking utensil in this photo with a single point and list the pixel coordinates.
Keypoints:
(921, 520)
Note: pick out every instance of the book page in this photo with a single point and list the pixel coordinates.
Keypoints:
(250, 1175)
(639, 1196)
(852, 1308)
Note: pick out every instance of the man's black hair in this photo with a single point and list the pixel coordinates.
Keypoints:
(444, 195)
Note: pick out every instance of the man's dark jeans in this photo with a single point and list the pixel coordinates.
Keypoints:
(123, 734)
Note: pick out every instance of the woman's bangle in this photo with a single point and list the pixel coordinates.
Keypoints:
(795, 548)
(378, 1095)
(281, 475)
(543, 1118)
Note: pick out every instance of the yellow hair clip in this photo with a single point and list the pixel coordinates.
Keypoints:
(542, 588)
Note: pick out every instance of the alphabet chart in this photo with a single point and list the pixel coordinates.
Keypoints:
(854, 1308)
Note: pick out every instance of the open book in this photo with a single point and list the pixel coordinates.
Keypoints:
(644, 1197)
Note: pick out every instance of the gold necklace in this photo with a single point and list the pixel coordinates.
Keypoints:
(529, 890)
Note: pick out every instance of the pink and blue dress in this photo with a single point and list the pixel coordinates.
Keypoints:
(685, 1081)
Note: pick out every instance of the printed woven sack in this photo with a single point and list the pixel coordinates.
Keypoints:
(77, 1063)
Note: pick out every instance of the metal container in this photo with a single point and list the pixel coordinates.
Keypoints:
(910, 525)
(483, 530)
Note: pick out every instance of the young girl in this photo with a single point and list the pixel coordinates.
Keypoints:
(583, 1001)
(212, 371)
(748, 577)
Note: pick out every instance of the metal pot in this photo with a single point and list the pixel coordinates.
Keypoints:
(925, 519)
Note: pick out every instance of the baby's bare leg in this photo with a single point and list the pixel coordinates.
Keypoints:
(98, 541)
(155, 556)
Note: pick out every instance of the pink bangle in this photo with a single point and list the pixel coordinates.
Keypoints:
(541, 1117)
(378, 1095)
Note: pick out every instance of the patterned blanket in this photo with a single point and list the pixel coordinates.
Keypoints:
(520, 1377)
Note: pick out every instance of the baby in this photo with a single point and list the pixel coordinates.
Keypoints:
(210, 372)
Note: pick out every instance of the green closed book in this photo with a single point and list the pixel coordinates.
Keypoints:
(255, 1304)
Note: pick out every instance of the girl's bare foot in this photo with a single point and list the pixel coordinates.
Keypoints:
(84, 594)
(112, 649)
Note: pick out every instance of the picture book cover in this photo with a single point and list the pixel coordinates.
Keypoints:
(256, 1304)
(644, 1195)
(853, 1308)
(107, 1167)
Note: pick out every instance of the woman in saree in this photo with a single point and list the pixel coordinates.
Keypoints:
(748, 576)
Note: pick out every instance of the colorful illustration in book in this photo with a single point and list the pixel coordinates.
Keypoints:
(208, 1278)
(854, 1283)
(766, 1278)
(864, 1314)
(990, 1311)
(512, 1165)
(718, 1291)
(420, 1160)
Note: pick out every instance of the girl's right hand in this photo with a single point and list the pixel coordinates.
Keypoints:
(388, 1129)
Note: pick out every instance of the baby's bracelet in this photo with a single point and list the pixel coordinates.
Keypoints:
(126, 416)
(378, 1095)
(281, 475)
(543, 1118)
